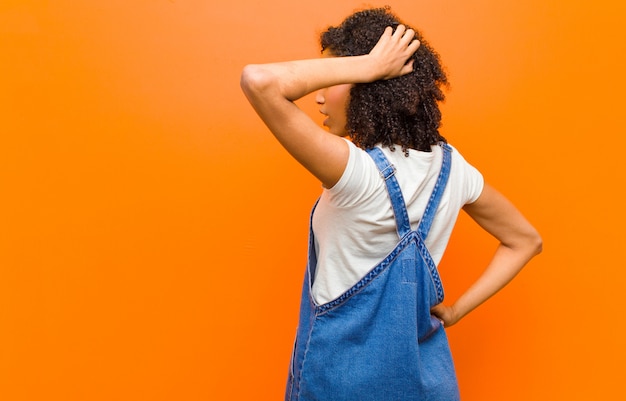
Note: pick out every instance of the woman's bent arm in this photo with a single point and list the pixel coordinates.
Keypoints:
(519, 242)
(272, 88)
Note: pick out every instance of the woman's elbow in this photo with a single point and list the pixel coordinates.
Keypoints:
(538, 245)
(527, 244)
(535, 243)
(255, 79)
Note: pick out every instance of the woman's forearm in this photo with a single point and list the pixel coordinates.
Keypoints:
(294, 79)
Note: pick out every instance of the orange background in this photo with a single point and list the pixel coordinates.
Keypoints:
(153, 233)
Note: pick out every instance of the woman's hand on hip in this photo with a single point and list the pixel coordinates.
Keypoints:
(445, 313)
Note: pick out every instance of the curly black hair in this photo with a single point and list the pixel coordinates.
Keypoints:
(401, 111)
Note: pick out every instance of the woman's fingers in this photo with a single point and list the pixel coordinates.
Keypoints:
(407, 68)
(393, 50)
(402, 35)
(399, 32)
(407, 36)
(406, 39)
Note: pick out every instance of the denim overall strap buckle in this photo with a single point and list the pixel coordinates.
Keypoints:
(387, 172)
(435, 197)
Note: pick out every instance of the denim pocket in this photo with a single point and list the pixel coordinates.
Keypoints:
(293, 358)
(291, 378)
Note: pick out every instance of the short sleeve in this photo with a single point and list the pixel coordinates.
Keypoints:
(358, 179)
(472, 179)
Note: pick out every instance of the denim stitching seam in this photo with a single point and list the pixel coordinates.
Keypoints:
(368, 278)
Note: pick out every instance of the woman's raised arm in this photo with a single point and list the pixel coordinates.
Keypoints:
(272, 88)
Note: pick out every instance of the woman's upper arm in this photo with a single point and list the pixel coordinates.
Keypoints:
(499, 217)
(325, 155)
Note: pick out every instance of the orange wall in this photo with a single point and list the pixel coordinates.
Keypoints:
(152, 232)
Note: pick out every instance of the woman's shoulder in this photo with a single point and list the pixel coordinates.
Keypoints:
(465, 176)
(359, 179)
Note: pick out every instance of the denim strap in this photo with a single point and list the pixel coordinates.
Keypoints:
(435, 197)
(387, 172)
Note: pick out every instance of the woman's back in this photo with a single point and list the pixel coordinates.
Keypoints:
(353, 221)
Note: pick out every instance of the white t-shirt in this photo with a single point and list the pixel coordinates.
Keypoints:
(354, 224)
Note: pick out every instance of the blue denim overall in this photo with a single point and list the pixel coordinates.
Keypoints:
(378, 340)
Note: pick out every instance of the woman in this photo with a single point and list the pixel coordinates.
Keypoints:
(372, 318)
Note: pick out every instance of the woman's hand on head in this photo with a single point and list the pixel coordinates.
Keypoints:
(392, 51)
